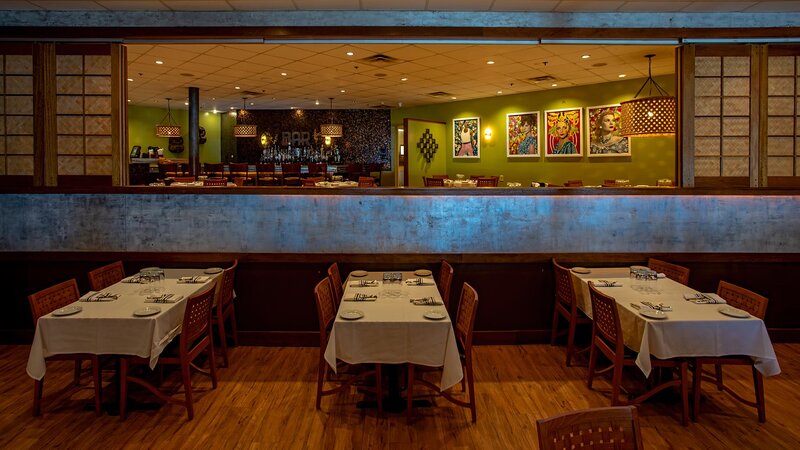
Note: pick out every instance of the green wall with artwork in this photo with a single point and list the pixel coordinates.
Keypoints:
(418, 165)
(142, 121)
(652, 158)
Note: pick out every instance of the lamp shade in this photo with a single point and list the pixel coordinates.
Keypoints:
(168, 130)
(330, 130)
(649, 116)
(245, 130)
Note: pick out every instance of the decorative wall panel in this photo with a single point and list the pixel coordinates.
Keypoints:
(16, 114)
(783, 100)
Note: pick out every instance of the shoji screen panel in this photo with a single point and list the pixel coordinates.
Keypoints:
(16, 114)
(783, 140)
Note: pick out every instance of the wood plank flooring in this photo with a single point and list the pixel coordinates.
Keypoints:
(266, 400)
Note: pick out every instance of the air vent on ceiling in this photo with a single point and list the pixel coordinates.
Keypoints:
(440, 94)
(251, 94)
(380, 59)
(542, 78)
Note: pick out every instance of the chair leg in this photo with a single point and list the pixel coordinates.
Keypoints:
(378, 388)
(234, 330)
(554, 328)
(123, 388)
(212, 362)
(592, 363)
(718, 373)
(697, 378)
(38, 385)
(685, 393)
(187, 387)
(570, 342)
(471, 389)
(223, 340)
(758, 382)
(320, 378)
(410, 392)
(77, 378)
(98, 387)
(616, 383)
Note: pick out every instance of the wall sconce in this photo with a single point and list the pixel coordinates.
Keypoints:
(327, 140)
(487, 133)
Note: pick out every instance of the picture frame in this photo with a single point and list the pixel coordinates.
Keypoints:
(522, 135)
(602, 132)
(466, 137)
(564, 138)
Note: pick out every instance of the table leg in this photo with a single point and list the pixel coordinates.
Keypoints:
(394, 402)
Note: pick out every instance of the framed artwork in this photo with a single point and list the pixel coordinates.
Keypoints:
(522, 134)
(602, 132)
(466, 141)
(564, 138)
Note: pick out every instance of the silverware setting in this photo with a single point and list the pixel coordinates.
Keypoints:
(658, 307)
(364, 297)
(162, 298)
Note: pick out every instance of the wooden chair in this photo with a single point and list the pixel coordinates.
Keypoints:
(195, 338)
(672, 271)
(336, 284)
(487, 182)
(318, 170)
(574, 183)
(444, 282)
(756, 305)
(566, 306)
(239, 170)
(240, 181)
(312, 182)
(265, 175)
(326, 312)
(609, 183)
(105, 276)
(607, 338)
(434, 182)
(366, 182)
(215, 182)
(371, 168)
(215, 170)
(291, 174)
(354, 170)
(167, 170)
(465, 322)
(224, 310)
(614, 427)
(45, 302)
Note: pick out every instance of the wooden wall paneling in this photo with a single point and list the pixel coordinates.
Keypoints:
(684, 154)
(758, 115)
(119, 115)
(45, 145)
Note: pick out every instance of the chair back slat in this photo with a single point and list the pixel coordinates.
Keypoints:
(197, 317)
(225, 286)
(326, 311)
(336, 283)
(210, 169)
(105, 276)
(444, 282)
(744, 299)
(465, 319)
(565, 293)
(366, 182)
(434, 182)
(605, 316)
(53, 298)
(616, 427)
(672, 271)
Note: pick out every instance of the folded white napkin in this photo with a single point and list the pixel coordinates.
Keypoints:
(94, 296)
(195, 279)
(164, 298)
(415, 282)
(661, 275)
(606, 283)
(133, 279)
(427, 301)
(365, 283)
(703, 299)
(361, 298)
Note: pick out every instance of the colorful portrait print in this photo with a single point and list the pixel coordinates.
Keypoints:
(522, 134)
(466, 142)
(603, 131)
(564, 132)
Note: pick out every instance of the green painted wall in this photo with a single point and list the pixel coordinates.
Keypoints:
(141, 131)
(418, 167)
(652, 158)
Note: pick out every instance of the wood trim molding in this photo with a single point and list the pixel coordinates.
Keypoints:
(684, 154)
(758, 115)
(119, 115)
(45, 143)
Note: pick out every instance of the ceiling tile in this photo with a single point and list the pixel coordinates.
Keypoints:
(524, 5)
(653, 6)
(320, 5)
(459, 5)
(13, 5)
(588, 6)
(66, 5)
(718, 6)
(262, 5)
(132, 5)
(775, 6)
(407, 5)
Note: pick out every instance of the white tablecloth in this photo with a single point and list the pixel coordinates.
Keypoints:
(689, 330)
(394, 331)
(110, 328)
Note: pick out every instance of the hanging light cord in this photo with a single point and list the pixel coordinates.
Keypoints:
(659, 90)
(168, 116)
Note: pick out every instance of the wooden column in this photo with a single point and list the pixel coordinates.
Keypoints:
(119, 115)
(684, 152)
(194, 131)
(45, 150)
(758, 115)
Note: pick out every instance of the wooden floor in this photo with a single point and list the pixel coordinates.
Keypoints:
(266, 400)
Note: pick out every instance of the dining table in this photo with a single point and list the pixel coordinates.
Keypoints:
(394, 318)
(135, 316)
(682, 328)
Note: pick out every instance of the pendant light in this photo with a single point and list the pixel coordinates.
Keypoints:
(648, 116)
(243, 130)
(330, 129)
(168, 127)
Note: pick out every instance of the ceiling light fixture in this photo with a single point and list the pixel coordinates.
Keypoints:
(586, 56)
(243, 130)
(330, 129)
(168, 127)
(159, 62)
(622, 75)
(648, 116)
(490, 62)
(350, 53)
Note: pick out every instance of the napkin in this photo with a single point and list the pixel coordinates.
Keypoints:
(195, 279)
(133, 279)
(365, 283)
(704, 299)
(94, 296)
(165, 298)
(415, 282)
(661, 275)
(427, 301)
(606, 283)
(361, 298)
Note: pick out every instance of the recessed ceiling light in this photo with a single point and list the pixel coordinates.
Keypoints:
(251, 103)
(342, 91)
(129, 100)
(452, 98)
(130, 79)
(214, 110)
(499, 92)
(159, 62)
(490, 62)
(585, 56)
(350, 53)
(404, 79)
(554, 85)
(283, 74)
(236, 87)
(622, 75)
(233, 107)
(186, 103)
(316, 102)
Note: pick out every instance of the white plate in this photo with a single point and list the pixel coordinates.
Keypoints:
(148, 269)
(734, 312)
(68, 310)
(653, 313)
(212, 270)
(352, 314)
(581, 270)
(359, 273)
(434, 315)
(422, 272)
(147, 311)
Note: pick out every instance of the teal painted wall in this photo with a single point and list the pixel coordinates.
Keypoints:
(141, 131)
(652, 158)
